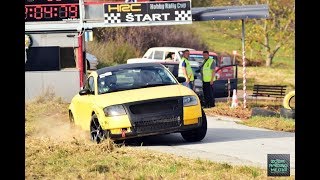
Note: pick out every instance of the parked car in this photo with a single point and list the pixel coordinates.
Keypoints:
(221, 61)
(160, 53)
(224, 70)
(173, 67)
(92, 61)
(141, 99)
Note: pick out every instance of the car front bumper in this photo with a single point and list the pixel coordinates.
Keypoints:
(152, 117)
(133, 134)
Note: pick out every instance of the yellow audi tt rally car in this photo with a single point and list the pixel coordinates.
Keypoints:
(133, 100)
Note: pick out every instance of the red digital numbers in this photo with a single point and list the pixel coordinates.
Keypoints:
(26, 10)
(54, 12)
(63, 11)
(48, 12)
(38, 12)
(73, 11)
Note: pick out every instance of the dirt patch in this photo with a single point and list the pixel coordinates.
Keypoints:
(49, 119)
(57, 127)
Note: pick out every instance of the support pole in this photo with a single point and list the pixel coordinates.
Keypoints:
(244, 66)
(80, 59)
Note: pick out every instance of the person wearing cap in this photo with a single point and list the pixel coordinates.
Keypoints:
(208, 76)
(185, 70)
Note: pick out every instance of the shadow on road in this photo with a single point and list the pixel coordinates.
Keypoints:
(214, 135)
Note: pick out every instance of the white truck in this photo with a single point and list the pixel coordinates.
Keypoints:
(158, 54)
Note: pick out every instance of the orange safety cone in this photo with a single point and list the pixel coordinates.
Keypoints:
(234, 99)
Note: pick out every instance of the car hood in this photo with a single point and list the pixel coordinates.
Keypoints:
(133, 95)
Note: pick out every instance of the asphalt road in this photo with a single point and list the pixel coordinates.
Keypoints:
(227, 141)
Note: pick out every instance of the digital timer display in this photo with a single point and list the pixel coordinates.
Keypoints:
(51, 10)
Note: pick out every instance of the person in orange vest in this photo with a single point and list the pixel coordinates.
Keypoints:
(208, 77)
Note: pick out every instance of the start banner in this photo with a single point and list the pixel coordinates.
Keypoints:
(144, 13)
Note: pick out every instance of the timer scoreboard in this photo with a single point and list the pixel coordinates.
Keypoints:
(51, 10)
(76, 15)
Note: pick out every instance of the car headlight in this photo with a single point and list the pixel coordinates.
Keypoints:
(115, 110)
(190, 101)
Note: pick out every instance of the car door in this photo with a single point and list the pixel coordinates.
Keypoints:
(173, 68)
(220, 87)
(85, 104)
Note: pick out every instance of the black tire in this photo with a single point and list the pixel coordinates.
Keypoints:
(97, 134)
(71, 118)
(197, 134)
(88, 65)
(287, 113)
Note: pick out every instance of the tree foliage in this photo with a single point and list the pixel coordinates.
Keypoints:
(273, 33)
(264, 36)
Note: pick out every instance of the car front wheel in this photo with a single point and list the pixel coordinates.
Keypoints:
(96, 132)
(196, 134)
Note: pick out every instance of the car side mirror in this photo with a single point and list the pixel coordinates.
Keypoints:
(84, 92)
(181, 79)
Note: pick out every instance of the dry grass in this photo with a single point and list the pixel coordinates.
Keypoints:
(273, 123)
(48, 159)
(268, 76)
(69, 155)
(224, 109)
(112, 52)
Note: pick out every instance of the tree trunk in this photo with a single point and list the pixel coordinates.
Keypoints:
(267, 45)
(269, 59)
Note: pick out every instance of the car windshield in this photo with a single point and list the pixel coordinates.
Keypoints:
(134, 78)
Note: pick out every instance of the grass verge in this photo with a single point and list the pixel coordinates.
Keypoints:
(49, 157)
(273, 123)
(267, 76)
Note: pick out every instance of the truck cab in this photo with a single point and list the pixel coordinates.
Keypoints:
(160, 53)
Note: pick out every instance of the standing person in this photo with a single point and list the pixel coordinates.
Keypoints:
(185, 70)
(208, 76)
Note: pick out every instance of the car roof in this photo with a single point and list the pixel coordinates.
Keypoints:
(126, 66)
(171, 48)
(201, 52)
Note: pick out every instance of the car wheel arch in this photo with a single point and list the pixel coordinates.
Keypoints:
(95, 112)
